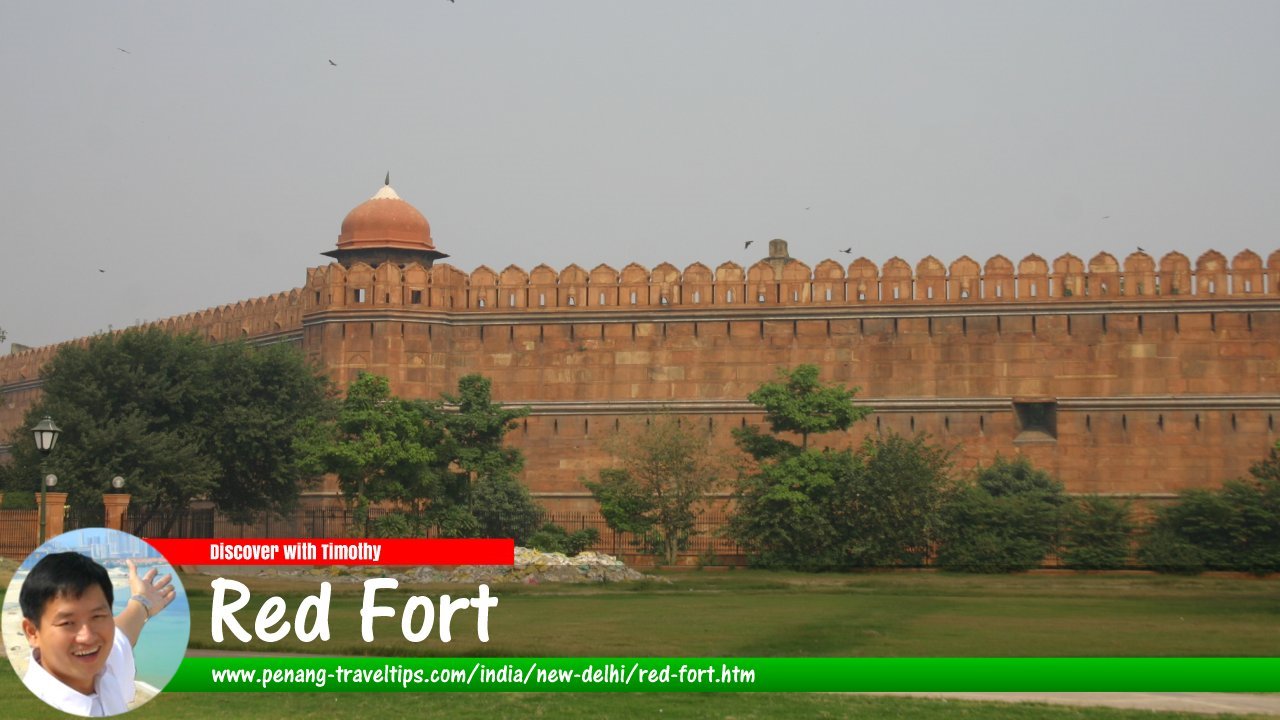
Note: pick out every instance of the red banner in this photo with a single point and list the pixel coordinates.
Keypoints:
(336, 551)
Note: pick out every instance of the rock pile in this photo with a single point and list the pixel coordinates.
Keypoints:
(533, 567)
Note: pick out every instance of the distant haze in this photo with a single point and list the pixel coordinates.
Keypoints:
(202, 154)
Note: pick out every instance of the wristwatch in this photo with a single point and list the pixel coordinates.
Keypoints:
(145, 603)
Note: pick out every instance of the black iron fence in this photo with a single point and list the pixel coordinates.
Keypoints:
(707, 547)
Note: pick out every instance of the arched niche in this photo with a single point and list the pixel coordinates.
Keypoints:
(828, 283)
(482, 289)
(1175, 274)
(1139, 275)
(1211, 274)
(603, 283)
(998, 280)
(762, 284)
(633, 286)
(513, 288)
(864, 282)
(731, 286)
(1033, 278)
(696, 284)
(796, 285)
(1104, 277)
(931, 280)
(895, 281)
(964, 280)
(573, 287)
(664, 285)
(1247, 275)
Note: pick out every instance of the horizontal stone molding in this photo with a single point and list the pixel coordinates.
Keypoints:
(909, 405)
(1172, 402)
(724, 314)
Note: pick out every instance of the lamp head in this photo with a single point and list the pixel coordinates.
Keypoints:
(46, 433)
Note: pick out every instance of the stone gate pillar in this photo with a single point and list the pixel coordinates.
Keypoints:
(54, 514)
(114, 505)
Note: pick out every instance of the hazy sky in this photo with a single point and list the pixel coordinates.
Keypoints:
(215, 160)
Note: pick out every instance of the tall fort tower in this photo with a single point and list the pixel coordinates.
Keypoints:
(1136, 377)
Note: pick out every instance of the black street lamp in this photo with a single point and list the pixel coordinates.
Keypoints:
(46, 432)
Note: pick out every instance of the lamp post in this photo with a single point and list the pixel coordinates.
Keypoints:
(46, 433)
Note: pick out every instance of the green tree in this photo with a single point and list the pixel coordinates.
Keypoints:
(666, 470)
(381, 448)
(888, 513)
(179, 418)
(481, 475)
(1236, 527)
(256, 407)
(1097, 533)
(799, 403)
(783, 514)
(787, 504)
(429, 465)
(1006, 520)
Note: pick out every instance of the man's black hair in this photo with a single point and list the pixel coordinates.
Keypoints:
(66, 574)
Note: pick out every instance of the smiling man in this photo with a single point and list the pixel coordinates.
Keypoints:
(81, 656)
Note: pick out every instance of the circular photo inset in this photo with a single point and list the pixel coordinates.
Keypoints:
(95, 622)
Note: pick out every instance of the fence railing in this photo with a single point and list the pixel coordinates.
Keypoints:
(708, 546)
(18, 530)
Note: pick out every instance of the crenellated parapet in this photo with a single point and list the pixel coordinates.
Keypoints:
(257, 318)
(861, 282)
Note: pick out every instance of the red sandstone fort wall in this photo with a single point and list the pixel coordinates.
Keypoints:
(1163, 375)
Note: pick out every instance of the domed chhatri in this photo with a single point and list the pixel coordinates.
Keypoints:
(385, 228)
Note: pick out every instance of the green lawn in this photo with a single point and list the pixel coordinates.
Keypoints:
(18, 703)
(751, 613)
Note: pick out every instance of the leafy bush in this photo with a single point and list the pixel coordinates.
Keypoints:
(784, 515)
(553, 538)
(1097, 533)
(504, 508)
(1006, 520)
(394, 525)
(1234, 528)
(19, 500)
(1163, 550)
(888, 512)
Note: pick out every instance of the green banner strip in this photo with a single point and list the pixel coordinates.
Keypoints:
(376, 674)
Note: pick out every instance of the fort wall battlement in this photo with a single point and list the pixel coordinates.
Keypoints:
(1160, 375)
(790, 282)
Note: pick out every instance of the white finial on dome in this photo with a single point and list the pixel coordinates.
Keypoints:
(386, 193)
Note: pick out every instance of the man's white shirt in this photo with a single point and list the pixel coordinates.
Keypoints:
(113, 687)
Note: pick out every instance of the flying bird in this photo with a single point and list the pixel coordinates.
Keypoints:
(1106, 217)
(747, 244)
(331, 62)
(847, 251)
(101, 270)
(126, 52)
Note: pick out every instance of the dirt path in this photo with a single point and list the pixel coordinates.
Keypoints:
(1207, 703)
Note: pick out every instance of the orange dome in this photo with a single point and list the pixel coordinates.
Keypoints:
(385, 221)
